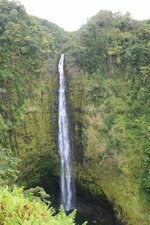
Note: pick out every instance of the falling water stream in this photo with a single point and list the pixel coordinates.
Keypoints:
(67, 193)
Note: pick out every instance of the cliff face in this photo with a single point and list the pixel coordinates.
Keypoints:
(109, 103)
(37, 133)
(103, 166)
(30, 48)
(76, 103)
(33, 136)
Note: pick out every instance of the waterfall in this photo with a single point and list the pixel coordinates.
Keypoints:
(67, 187)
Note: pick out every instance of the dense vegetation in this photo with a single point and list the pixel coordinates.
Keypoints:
(108, 71)
(113, 53)
(29, 48)
(18, 207)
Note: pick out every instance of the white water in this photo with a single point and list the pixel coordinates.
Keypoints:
(67, 193)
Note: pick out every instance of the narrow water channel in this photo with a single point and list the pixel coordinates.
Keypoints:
(66, 183)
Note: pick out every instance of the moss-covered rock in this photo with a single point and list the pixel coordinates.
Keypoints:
(103, 165)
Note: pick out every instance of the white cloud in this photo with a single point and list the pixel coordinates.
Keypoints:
(71, 14)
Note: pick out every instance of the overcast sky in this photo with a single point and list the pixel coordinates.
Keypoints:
(71, 14)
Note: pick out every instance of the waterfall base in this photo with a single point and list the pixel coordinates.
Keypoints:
(93, 213)
(96, 211)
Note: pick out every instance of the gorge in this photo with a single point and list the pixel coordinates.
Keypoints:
(107, 83)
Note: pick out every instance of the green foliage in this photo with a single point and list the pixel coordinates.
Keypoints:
(32, 193)
(139, 55)
(15, 208)
(112, 50)
(108, 98)
(29, 48)
(81, 55)
(8, 167)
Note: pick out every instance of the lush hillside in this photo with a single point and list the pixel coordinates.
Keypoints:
(29, 48)
(110, 102)
(107, 64)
